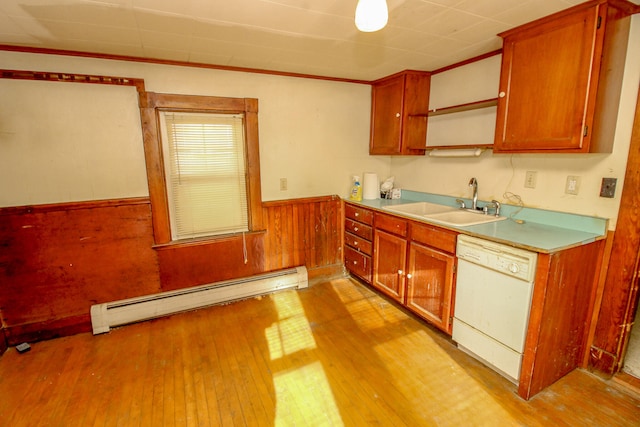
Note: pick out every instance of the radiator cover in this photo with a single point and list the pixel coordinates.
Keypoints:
(122, 312)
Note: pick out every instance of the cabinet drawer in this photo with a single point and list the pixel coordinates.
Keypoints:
(392, 224)
(358, 243)
(358, 228)
(358, 214)
(358, 263)
(435, 237)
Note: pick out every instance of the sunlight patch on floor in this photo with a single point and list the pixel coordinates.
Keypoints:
(305, 394)
(368, 310)
(291, 333)
(434, 370)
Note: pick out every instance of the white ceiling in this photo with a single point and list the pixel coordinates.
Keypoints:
(316, 37)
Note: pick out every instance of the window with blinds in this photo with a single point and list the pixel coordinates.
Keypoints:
(204, 157)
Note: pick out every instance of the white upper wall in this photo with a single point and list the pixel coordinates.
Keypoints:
(57, 144)
(314, 133)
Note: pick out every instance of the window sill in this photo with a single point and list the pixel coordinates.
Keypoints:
(199, 241)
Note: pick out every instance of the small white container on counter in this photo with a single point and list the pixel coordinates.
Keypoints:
(370, 186)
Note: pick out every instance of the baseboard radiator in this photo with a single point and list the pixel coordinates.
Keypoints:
(107, 315)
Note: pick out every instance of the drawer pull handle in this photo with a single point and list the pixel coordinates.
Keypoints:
(355, 243)
(409, 276)
(400, 272)
(357, 214)
(355, 262)
(355, 228)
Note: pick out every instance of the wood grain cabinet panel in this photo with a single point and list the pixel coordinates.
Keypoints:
(389, 261)
(359, 214)
(358, 263)
(358, 245)
(358, 228)
(436, 237)
(392, 224)
(430, 285)
(399, 108)
(560, 81)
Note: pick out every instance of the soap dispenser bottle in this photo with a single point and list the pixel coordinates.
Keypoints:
(356, 190)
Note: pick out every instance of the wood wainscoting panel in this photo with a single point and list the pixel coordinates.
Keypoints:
(303, 232)
(208, 261)
(57, 260)
(298, 232)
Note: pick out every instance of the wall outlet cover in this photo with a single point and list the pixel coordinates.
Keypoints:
(573, 185)
(530, 179)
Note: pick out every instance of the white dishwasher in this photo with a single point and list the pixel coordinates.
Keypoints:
(493, 299)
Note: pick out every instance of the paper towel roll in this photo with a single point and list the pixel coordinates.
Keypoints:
(370, 186)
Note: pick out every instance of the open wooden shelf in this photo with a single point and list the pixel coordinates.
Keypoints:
(464, 107)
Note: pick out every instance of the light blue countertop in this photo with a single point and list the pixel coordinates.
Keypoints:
(541, 230)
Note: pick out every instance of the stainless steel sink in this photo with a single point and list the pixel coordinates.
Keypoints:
(441, 214)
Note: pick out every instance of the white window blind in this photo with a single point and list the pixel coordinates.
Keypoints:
(205, 173)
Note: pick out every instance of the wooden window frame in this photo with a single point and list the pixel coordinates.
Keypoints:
(150, 104)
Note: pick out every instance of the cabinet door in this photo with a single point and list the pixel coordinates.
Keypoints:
(547, 85)
(416, 108)
(390, 255)
(386, 116)
(430, 285)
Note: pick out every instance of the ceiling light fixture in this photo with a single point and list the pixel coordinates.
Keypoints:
(371, 15)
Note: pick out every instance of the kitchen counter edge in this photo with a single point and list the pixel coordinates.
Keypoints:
(542, 231)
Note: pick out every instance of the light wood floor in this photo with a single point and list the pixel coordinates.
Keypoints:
(334, 354)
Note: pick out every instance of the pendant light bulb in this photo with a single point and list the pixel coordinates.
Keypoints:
(371, 15)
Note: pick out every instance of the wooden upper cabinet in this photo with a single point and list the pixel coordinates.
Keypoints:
(560, 80)
(399, 109)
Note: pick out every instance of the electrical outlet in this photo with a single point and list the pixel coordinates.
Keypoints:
(530, 179)
(573, 185)
(608, 188)
(283, 184)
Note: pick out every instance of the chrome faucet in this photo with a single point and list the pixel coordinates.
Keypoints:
(474, 184)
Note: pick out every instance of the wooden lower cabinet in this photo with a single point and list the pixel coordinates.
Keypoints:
(358, 233)
(414, 263)
(389, 261)
(430, 285)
